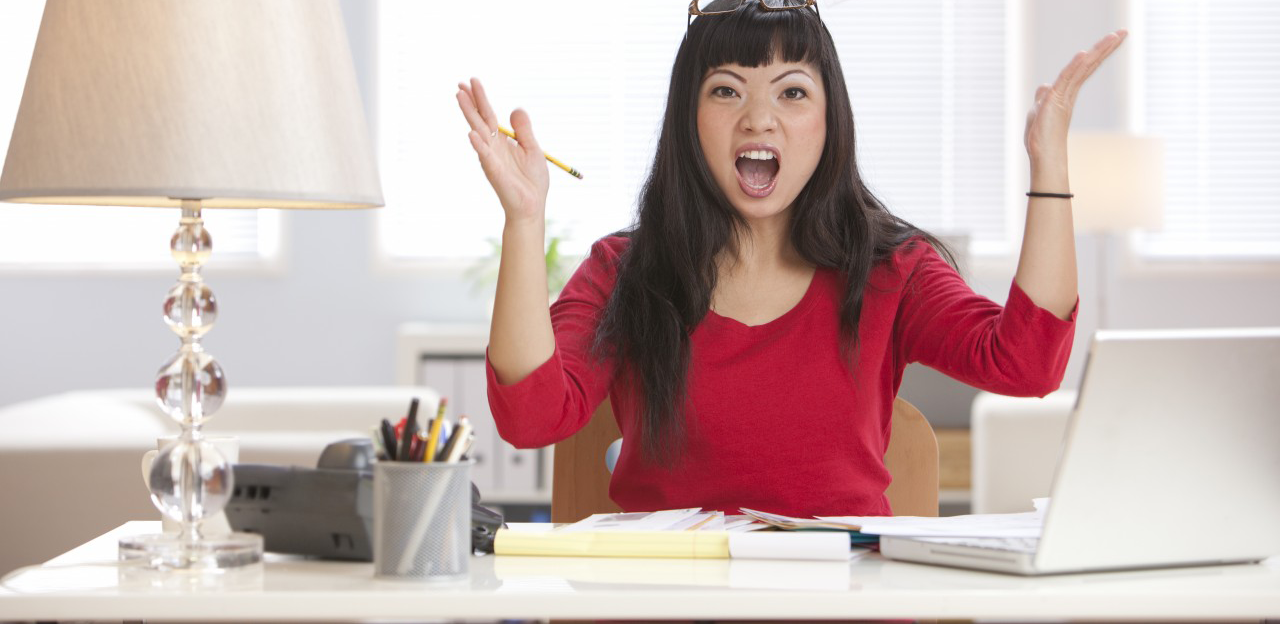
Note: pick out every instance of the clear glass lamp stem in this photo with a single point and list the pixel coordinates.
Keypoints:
(190, 479)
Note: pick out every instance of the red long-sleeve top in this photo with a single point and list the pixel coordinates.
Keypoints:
(777, 423)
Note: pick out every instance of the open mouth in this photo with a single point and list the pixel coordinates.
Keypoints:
(757, 172)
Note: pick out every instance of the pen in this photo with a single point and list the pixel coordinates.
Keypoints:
(389, 439)
(461, 451)
(443, 455)
(573, 172)
(466, 448)
(410, 432)
(453, 450)
(416, 447)
(434, 437)
(446, 430)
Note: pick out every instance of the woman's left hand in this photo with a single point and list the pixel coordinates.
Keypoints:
(1046, 133)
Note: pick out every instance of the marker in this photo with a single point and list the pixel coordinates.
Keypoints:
(389, 439)
(410, 432)
(416, 447)
(453, 450)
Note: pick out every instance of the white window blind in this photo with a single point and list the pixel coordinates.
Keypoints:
(95, 235)
(1210, 80)
(926, 80)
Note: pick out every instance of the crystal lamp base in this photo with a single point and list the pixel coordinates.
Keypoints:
(171, 551)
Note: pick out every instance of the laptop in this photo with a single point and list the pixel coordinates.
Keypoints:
(1171, 458)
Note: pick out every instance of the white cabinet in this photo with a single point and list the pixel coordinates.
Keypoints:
(449, 358)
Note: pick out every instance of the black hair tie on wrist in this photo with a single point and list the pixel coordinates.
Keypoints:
(1057, 195)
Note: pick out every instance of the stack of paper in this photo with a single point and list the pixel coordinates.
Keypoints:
(1026, 524)
(669, 520)
(688, 533)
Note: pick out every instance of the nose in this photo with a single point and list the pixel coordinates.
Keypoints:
(759, 117)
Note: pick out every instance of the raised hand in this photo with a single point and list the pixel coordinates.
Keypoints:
(1050, 116)
(517, 170)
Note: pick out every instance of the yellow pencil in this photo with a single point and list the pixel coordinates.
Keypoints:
(434, 437)
(573, 172)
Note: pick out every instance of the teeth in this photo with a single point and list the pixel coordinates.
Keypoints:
(757, 154)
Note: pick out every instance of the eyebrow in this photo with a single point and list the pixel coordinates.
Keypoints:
(780, 76)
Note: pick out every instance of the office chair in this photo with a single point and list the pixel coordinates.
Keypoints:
(580, 480)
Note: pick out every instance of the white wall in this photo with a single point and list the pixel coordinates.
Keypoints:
(329, 318)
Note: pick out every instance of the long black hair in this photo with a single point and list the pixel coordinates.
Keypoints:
(667, 274)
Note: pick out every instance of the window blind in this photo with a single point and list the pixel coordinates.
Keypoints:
(926, 80)
(1209, 80)
(95, 235)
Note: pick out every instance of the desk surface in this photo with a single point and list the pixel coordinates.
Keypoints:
(86, 583)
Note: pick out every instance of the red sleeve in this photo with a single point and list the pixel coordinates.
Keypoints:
(1020, 349)
(558, 398)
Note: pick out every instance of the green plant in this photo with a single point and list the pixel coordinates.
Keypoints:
(485, 272)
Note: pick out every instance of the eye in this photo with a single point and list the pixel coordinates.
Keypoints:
(723, 92)
(795, 93)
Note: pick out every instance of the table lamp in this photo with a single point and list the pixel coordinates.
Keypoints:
(1118, 181)
(194, 105)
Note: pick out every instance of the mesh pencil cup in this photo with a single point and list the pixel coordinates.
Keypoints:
(422, 520)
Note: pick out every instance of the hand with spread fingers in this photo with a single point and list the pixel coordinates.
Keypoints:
(1047, 262)
(517, 169)
(1050, 115)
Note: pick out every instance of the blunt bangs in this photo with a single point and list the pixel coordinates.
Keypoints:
(751, 37)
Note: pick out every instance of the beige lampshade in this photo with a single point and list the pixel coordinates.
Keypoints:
(240, 103)
(1118, 181)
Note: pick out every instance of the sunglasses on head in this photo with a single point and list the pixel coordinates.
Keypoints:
(702, 7)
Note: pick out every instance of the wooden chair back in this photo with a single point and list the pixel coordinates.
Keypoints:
(912, 460)
(580, 481)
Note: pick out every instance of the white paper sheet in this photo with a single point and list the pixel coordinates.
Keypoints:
(990, 525)
(789, 522)
(1026, 524)
(704, 521)
(635, 521)
(741, 524)
(667, 520)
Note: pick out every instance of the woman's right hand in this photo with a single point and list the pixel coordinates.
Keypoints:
(517, 170)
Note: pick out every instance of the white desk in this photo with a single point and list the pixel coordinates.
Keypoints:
(86, 584)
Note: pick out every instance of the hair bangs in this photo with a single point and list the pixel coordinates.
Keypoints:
(753, 37)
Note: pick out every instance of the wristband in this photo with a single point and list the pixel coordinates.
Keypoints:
(1057, 195)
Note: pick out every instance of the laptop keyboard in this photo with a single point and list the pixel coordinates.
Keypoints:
(1014, 544)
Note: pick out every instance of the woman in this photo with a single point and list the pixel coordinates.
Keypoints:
(752, 327)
